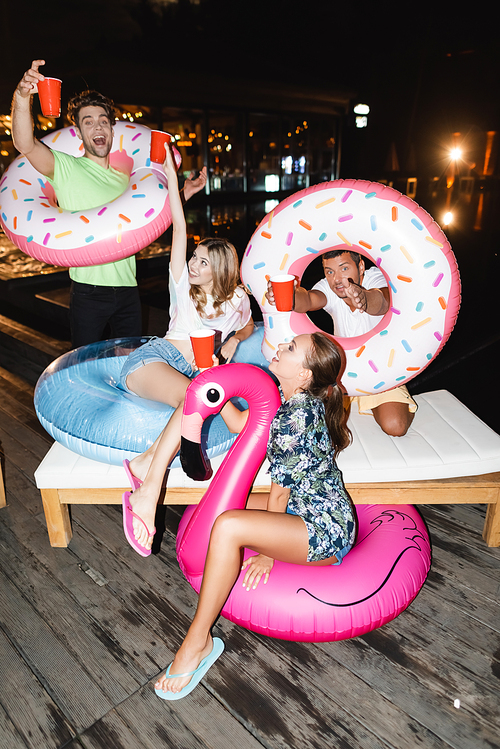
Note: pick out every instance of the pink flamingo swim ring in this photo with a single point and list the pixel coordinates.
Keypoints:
(32, 219)
(400, 238)
(376, 581)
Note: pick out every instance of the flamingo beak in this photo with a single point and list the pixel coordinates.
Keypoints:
(194, 461)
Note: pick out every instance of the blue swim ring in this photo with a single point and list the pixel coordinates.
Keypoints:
(80, 403)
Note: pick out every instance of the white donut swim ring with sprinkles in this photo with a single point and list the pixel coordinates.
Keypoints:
(35, 223)
(400, 238)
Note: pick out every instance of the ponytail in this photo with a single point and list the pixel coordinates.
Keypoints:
(325, 363)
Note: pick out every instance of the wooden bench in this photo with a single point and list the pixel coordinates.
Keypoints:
(449, 456)
(2, 489)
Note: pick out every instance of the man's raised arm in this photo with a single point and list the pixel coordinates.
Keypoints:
(38, 154)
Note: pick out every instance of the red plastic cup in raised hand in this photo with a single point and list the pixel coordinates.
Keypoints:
(283, 291)
(159, 141)
(203, 342)
(49, 93)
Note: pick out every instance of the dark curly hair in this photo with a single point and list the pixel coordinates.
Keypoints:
(90, 99)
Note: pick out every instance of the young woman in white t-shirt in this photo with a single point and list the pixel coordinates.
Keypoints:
(204, 293)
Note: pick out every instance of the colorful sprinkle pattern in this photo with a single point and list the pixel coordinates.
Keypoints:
(101, 235)
(400, 238)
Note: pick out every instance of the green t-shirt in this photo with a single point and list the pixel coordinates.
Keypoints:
(81, 184)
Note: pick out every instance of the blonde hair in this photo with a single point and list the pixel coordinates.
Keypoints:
(225, 268)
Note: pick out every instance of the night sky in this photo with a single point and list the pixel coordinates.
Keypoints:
(424, 73)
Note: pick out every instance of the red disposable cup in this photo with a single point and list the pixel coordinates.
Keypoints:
(158, 141)
(49, 93)
(203, 342)
(283, 292)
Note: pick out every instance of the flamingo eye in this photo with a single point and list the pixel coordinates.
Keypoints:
(212, 394)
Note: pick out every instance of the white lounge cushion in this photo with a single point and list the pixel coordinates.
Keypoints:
(445, 440)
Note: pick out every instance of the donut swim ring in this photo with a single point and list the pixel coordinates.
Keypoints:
(32, 219)
(79, 402)
(376, 581)
(400, 238)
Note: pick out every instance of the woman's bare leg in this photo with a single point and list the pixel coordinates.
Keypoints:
(274, 534)
(160, 382)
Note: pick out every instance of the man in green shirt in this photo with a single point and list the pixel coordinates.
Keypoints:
(100, 294)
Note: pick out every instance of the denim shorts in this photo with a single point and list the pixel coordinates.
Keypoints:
(341, 554)
(155, 350)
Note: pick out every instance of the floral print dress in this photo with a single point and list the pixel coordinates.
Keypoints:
(301, 459)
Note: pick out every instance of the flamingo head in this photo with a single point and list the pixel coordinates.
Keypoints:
(206, 395)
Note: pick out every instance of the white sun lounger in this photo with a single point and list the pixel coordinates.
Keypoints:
(449, 456)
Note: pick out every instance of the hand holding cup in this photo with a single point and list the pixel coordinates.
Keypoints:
(203, 343)
(28, 84)
(283, 286)
(159, 143)
(49, 93)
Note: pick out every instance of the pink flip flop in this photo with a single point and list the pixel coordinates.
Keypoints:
(128, 528)
(135, 483)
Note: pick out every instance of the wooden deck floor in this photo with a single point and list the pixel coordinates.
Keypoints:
(84, 631)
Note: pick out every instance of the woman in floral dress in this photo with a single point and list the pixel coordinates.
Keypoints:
(307, 518)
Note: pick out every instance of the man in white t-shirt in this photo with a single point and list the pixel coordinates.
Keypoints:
(356, 299)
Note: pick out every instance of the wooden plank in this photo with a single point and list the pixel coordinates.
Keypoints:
(90, 496)
(491, 531)
(113, 731)
(3, 501)
(143, 720)
(35, 339)
(152, 605)
(236, 683)
(103, 604)
(470, 517)
(103, 658)
(57, 518)
(465, 577)
(475, 635)
(392, 689)
(476, 671)
(11, 738)
(30, 441)
(30, 708)
(12, 410)
(379, 660)
(18, 485)
(466, 490)
(21, 452)
(463, 543)
(57, 669)
(11, 383)
(123, 619)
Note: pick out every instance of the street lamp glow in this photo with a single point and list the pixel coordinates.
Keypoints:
(456, 153)
(448, 218)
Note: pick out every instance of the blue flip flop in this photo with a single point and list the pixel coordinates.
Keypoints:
(135, 483)
(197, 675)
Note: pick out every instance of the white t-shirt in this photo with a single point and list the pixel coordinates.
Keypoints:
(184, 316)
(346, 322)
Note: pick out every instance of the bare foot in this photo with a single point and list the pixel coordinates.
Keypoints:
(139, 465)
(187, 659)
(144, 506)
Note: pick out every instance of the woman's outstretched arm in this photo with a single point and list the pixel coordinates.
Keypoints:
(179, 232)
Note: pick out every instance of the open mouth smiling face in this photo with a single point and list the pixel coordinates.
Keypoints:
(96, 131)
